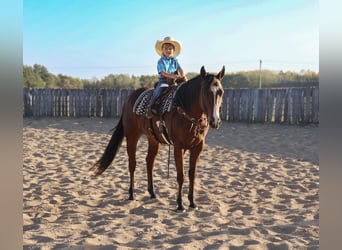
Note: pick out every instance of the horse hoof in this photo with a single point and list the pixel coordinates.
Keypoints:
(194, 207)
(181, 209)
(153, 196)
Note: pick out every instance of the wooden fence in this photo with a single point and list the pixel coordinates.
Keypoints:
(290, 105)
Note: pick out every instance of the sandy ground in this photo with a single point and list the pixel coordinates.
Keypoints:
(257, 187)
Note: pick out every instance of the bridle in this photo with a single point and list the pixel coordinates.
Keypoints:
(201, 122)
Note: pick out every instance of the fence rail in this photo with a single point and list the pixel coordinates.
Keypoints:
(288, 105)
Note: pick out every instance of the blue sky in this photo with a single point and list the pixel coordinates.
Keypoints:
(89, 38)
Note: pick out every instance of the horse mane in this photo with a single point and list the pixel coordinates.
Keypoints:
(188, 92)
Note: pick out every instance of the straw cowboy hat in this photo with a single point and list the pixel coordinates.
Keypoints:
(168, 39)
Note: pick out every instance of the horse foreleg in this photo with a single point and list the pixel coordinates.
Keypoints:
(132, 141)
(153, 149)
(194, 157)
(179, 156)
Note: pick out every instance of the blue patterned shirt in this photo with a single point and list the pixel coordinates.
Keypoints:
(168, 65)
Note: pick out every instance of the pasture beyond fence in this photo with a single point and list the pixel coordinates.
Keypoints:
(288, 105)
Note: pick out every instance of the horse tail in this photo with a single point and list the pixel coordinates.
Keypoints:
(112, 148)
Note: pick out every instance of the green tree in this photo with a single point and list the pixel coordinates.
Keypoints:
(236, 80)
(32, 79)
(148, 80)
(68, 82)
(39, 77)
(48, 78)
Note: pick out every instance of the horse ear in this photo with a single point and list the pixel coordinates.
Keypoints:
(203, 72)
(221, 73)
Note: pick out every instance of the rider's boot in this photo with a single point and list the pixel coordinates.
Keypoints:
(151, 109)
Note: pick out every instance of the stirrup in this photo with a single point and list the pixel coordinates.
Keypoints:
(154, 112)
(149, 115)
(151, 112)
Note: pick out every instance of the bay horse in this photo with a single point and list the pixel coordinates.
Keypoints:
(196, 106)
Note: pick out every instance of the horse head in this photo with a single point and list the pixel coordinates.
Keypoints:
(211, 96)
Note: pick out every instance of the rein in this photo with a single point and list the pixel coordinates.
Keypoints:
(202, 123)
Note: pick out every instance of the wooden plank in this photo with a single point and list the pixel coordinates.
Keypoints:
(67, 100)
(80, 102)
(294, 106)
(302, 105)
(315, 105)
(84, 104)
(75, 102)
(33, 98)
(34, 109)
(231, 105)
(236, 103)
(122, 99)
(30, 103)
(41, 102)
(27, 102)
(259, 104)
(89, 102)
(250, 106)
(64, 101)
(48, 102)
(265, 96)
(62, 94)
(59, 104)
(255, 104)
(98, 100)
(264, 105)
(114, 101)
(35, 103)
(72, 103)
(92, 100)
(111, 99)
(106, 110)
(53, 102)
(45, 102)
(224, 106)
(270, 106)
(290, 107)
(308, 105)
(244, 105)
(297, 106)
(54, 94)
(278, 106)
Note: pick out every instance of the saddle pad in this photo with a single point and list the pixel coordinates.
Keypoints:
(141, 104)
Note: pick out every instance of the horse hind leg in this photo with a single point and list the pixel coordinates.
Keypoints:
(132, 141)
(153, 149)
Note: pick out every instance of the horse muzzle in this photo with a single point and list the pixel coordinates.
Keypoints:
(215, 123)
